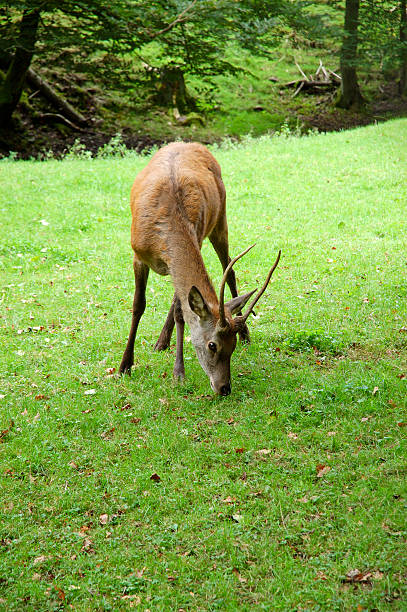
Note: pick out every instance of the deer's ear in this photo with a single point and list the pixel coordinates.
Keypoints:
(198, 304)
(236, 304)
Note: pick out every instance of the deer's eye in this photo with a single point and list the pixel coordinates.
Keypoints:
(212, 347)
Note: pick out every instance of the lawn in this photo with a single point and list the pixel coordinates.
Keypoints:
(290, 494)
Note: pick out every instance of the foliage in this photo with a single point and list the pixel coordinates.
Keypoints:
(290, 493)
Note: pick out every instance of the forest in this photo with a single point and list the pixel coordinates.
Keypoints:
(84, 72)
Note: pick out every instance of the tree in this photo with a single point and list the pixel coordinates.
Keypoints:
(350, 96)
(403, 50)
(97, 35)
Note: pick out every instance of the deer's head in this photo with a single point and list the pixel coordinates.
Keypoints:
(214, 332)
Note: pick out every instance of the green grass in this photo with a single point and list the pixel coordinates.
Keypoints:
(246, 514)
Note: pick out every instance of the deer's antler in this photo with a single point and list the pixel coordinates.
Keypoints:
(223, 323)
(242, 320)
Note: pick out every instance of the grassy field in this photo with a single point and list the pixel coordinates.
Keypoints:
(290, 494)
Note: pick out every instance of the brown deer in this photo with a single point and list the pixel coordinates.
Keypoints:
(177, 200)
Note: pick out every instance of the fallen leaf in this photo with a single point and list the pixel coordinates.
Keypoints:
(125, 407)
(229, 500)
(73, 465)
(61, 594)
(39, 559)
(240, 450)
(378, 575)
(237, 518)
(103, 519)
(110, 370)
(402, 424)
(230, 421)
(331, 433)
(108, 435)
(90, 392)
(40, 396)
(87, 546)
(322, 470)
(36, 576)
(356, 575)
(238, 575)
(263, 451)
(321, 576)
(292, 435)
(155, 477)
(135, 600)
(135, 420)
(375, 390)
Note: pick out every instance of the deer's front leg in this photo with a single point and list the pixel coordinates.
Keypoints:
(139, 304)
(179, 369)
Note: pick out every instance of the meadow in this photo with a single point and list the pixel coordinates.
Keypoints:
(290, 494)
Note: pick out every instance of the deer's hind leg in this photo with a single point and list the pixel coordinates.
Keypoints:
(179, 369)
(219, 240)
(164, 339)
(139, 304)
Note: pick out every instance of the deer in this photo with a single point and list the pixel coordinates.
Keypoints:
(177, 201)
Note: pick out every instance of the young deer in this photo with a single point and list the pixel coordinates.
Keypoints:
(176, 201)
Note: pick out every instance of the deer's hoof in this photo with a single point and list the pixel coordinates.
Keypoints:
(179, 374)
(125, 368)
(161, 345)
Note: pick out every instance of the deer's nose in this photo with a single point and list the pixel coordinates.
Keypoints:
(225, 389)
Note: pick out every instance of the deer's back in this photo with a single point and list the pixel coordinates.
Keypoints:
(179, 190)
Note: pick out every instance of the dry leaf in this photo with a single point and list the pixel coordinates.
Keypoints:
(263, 451)
(108, 435)
(73, 465)
(322, 470)
(239, 450)
(229, 500)
(237, 517)
(292, 435)
(238, 575)
(40, 559)
(155, 477)
(356, 575)
(375, 390)
(110, 370)
(90, 392)
(103, 519)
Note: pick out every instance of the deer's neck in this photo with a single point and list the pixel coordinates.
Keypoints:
(187, 269)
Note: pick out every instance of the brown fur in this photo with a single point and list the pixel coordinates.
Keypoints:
(177, 200)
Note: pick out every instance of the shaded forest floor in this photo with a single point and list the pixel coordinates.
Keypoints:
(30, 138)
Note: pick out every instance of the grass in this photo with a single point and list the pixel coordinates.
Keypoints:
(266, 499)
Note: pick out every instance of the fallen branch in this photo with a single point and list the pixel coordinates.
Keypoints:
(56, 99)
(57, 118)
(323, 80)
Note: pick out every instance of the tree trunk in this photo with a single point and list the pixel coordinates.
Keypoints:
(173, 91)
(350, 96)
(12, 86)
(403, 40)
